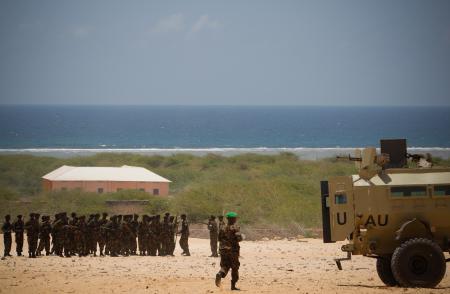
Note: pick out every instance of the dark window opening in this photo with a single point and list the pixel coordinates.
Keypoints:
(155, 191)
(411, 191)
(340, 198)
(100, 190)
(442, 190)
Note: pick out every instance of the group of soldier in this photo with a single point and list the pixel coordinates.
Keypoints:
(77, 235)
(122, 235)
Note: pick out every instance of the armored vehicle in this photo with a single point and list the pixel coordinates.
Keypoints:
(396, 214)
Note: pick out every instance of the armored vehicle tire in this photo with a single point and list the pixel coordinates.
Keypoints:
(384, 271)
(418, 262)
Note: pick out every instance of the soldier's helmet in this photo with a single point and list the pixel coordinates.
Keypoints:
(19, 216)
(105, 214)
(73, 214)
(7, 217)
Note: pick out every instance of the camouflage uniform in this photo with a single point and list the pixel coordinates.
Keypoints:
(142, 233)
(213, 235)
(103, 233)
(229, 238)
(7, 239)
(184, 237)
(134, 228)
(19, 228)
(44, 235)
(32, 227)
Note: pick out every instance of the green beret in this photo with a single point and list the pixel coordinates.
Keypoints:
(231, 214)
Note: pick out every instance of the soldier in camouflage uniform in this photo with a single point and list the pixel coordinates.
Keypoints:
(154, 236)
(213, 235)
(58, 234)
(7, 239)
(103, 233)
(44, 235)
(19, 228)
(113, 242)
(142, 233)
(165, 235)
(134, 224)
(32, 227)
(184, 236)
(173, 230)
(229, 238)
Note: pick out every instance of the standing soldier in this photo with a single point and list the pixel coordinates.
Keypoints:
(165, 235)
(7, 239)
(229, 238)
(213, 235)
(134, 228)
(18, 227)
(184, 236)
(173, 230)
(103, 233)
(32, 227)
(152, 232)
(221, 222)
(142, 233)
(44, 235)
(58, 234)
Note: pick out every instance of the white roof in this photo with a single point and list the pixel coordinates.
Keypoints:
(120, 174)
(400, 179)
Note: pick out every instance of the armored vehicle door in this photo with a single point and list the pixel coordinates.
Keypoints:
(341, 203)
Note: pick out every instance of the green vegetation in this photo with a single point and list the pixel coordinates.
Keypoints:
(280, 190)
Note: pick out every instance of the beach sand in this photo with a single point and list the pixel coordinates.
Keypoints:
(275, 266)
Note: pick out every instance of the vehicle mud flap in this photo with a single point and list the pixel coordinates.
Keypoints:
(326, 226)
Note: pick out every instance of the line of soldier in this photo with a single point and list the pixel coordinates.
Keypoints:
(117, 235)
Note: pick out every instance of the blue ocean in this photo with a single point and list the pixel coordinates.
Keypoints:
(172, 127)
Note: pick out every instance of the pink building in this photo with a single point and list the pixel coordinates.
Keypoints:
(105, 179)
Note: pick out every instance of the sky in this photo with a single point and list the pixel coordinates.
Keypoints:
(225, 52)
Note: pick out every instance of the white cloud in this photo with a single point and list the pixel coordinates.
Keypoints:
(172, 23)
(203, 23)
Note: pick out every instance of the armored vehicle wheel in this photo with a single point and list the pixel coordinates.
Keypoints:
(384, 271)
(418, 262)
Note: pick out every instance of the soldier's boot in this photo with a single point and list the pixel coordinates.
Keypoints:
(233, 286)
(219, 276)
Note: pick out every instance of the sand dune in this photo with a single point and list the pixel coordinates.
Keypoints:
(282, 266)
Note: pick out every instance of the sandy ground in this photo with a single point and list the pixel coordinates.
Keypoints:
(296, 266)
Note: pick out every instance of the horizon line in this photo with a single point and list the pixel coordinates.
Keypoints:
(225, 105)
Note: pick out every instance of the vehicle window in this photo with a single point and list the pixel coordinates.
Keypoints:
(409, 191)
(442, 190)
(340, 198)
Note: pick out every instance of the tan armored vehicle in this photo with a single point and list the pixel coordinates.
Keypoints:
(398, 215)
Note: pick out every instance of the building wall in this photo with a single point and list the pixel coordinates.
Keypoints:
(108, 186)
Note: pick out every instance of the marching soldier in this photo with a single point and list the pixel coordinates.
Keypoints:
(19, 227)
(184, 236)
(229, 238)
(213, 235)
(7, 239)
